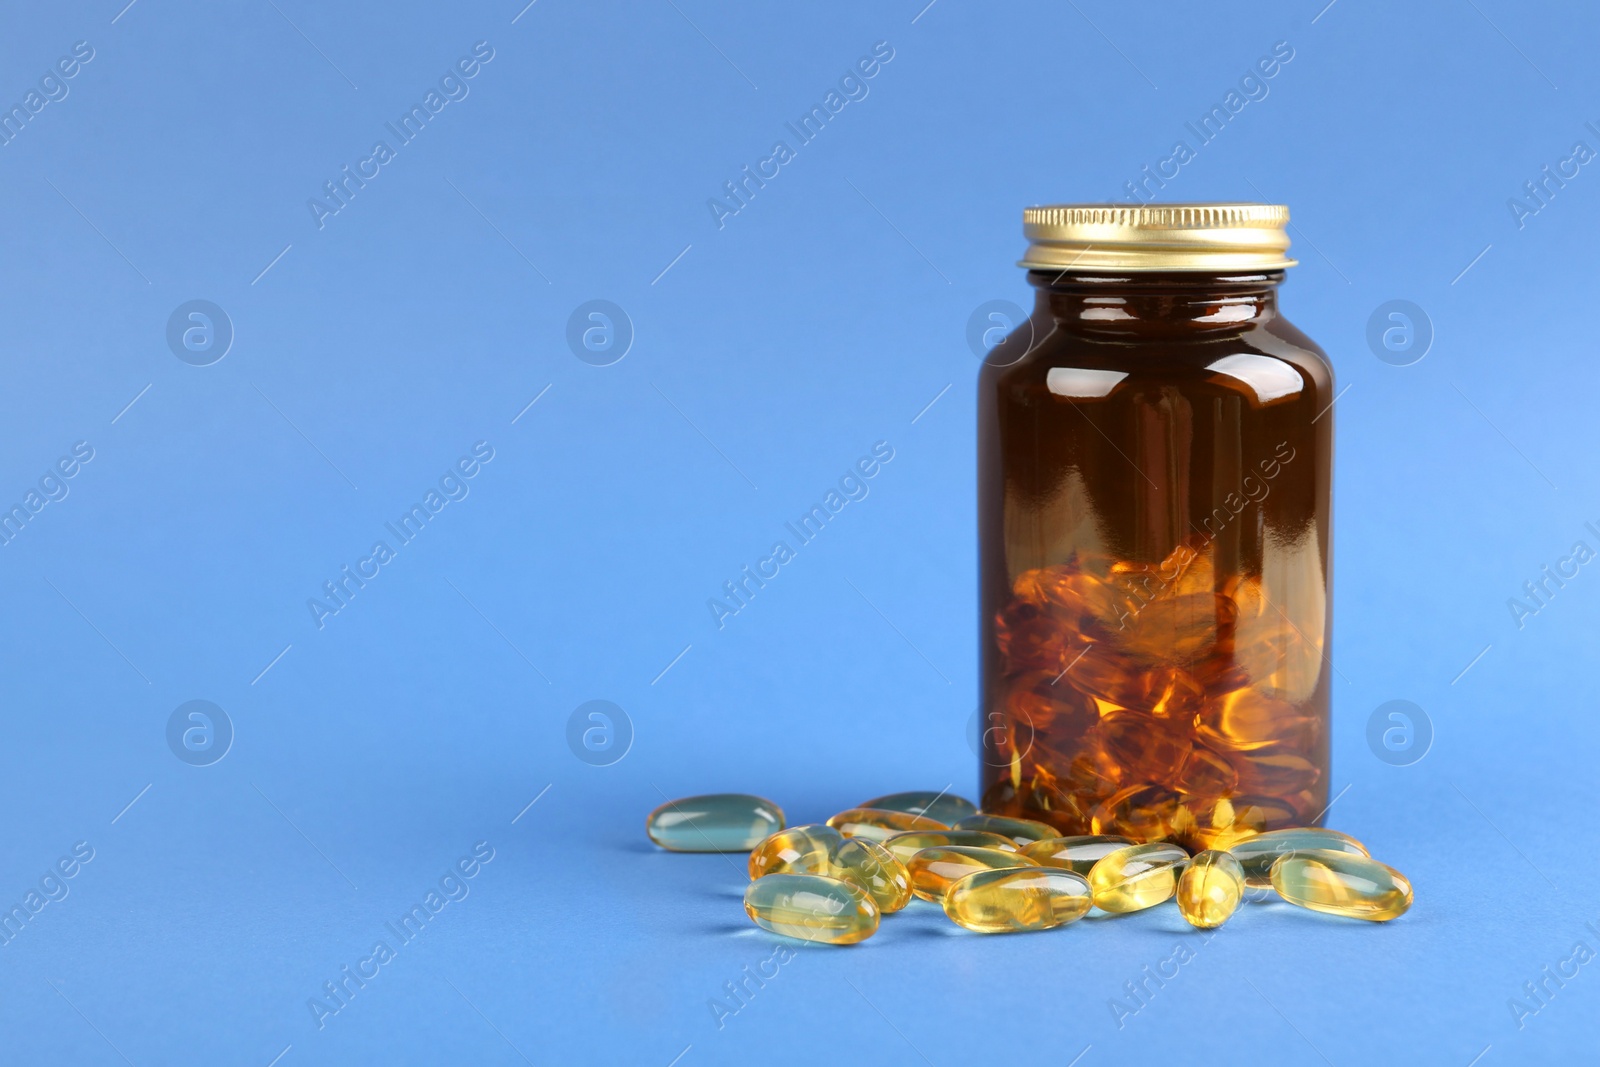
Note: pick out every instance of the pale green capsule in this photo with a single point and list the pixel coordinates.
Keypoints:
(941, 807)
(812, 907)
(719, 822)
(1021, 831)
(1258, 853)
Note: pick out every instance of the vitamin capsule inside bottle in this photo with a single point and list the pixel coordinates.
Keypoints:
(1136, 877)
(720, 822)
(1077, 854)
(1341, 884)
(906, 845)
(1257, 854)
(877, 825)
(1210, 889)
(941, 807)
(799, 850)
(1008, 901)
(935, 870)
(874, 868)
(812, 907)
(1021, 831)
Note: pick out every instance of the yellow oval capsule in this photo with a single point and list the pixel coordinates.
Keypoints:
(941, 806)
(1210, 889)
(799, 849)
(719, 822)
(1136, 877)
(1021, 831)
(1010, 901)
(935, 870)
(1341, 884)
(812, 907)
(1258, 853)
(1076, 854)
(874, 868)
(906, 845)
(878, 825)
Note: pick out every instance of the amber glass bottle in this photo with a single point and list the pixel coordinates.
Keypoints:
(1155, 462)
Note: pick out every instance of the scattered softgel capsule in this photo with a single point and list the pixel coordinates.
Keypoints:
(935, 870)
(1342, 884)
(799, 848)
(817, 849)
(1021, 831)
(1257, 854)
(906, 845)
(998, 874)
(874, 868)
(812, 907)
(719, 822)
(941, 807)
(1210, 889)
(877, 825)
(1136, 877)
(1024, 898)
(1077, 854)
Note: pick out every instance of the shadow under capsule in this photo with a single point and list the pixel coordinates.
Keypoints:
(744, 931)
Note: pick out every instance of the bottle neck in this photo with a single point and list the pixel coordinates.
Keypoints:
(1136, 306)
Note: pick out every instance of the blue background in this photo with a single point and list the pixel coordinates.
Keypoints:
(768, 355)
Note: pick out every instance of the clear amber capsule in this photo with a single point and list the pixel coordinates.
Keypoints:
(1277, 774)
(877, 825)
(874, 868)
(935, 870)
(1141, 811)
(719, 822)
(1136, 877)
(906, 845)
(1078, 854)
(1021, 831)
(1007, 901)
(1220, 822)
(1210, 889)
(1257, 854)
(799, 849)
(812, 907)
(1342, 884)
(943, 807)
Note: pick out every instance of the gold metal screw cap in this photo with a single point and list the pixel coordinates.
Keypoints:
(1224, 238)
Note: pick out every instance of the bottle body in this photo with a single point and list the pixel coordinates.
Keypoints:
(1154, 519)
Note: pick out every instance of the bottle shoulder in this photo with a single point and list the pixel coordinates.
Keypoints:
(1268, 360)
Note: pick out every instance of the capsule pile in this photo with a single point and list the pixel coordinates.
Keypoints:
(832, 883)
(1154, 701)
